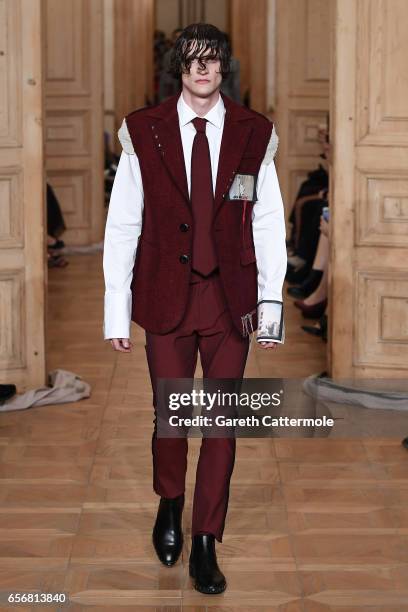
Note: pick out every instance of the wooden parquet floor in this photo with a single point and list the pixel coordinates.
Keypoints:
(314, 525)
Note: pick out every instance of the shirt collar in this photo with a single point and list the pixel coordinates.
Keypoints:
(215, 115)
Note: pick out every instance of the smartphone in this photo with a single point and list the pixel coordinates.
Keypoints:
(326, 213)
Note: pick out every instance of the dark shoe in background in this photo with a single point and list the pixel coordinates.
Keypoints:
(207, 576)
(7, 392)
(314, 330)
(319, 329)
(311, 282)
(297, 292)
(56, 246)
(315, 311)
(57, 261)
(167, 531)
(298, 275)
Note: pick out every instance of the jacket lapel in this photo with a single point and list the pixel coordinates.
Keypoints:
(167, 138)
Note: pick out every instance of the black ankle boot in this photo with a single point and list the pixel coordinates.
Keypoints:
(167, 531)
(204, 569)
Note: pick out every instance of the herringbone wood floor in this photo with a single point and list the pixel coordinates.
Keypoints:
(314, 525)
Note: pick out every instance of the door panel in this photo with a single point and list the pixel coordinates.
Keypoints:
(302, 87)
(22, 203)
(369, 255)
(74, 114)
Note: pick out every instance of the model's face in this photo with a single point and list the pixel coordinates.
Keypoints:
(204, 80)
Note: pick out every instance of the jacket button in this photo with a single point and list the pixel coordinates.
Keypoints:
(184, 259)
(184, 227)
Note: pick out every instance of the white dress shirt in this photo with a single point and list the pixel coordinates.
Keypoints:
(124, 221)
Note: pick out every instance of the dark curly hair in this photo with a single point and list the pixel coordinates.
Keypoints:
(200, 41)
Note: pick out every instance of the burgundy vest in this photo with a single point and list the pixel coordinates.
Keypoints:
(162, 271)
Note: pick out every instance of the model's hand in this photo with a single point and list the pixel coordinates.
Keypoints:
(123, 345)
(268, 345)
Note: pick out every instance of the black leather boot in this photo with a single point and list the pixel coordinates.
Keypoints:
(204, 570)
(167, 531)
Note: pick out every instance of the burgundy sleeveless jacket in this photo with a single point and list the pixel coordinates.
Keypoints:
(162, 270)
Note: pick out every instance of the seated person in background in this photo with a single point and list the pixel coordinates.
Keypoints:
(55, 227)
(305, 218)
(315, 303)
(301, 264)
(111, 165)
(317, 181)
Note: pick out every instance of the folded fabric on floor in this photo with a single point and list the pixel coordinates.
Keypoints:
(65, 387)
(358, 392)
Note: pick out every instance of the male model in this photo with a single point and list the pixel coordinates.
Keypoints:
(195, 254)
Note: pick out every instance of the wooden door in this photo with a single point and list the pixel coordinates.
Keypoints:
(302, 89)
(248, 23)
(133, 58)
(369, 226)
(22, 198)
(74, 114)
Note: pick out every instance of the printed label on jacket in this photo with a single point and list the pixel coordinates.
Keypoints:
(243, 188)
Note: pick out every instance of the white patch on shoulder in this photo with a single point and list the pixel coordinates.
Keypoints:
(125, 140)
(272, 147)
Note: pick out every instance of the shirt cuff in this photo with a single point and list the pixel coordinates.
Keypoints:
(271, 325)
(118, 311)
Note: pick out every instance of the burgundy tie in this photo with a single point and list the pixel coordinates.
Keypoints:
(202, 202)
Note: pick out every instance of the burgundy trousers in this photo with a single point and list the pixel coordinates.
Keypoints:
(206, 327)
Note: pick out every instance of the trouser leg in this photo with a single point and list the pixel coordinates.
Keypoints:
(172, 355)
(223, 353)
